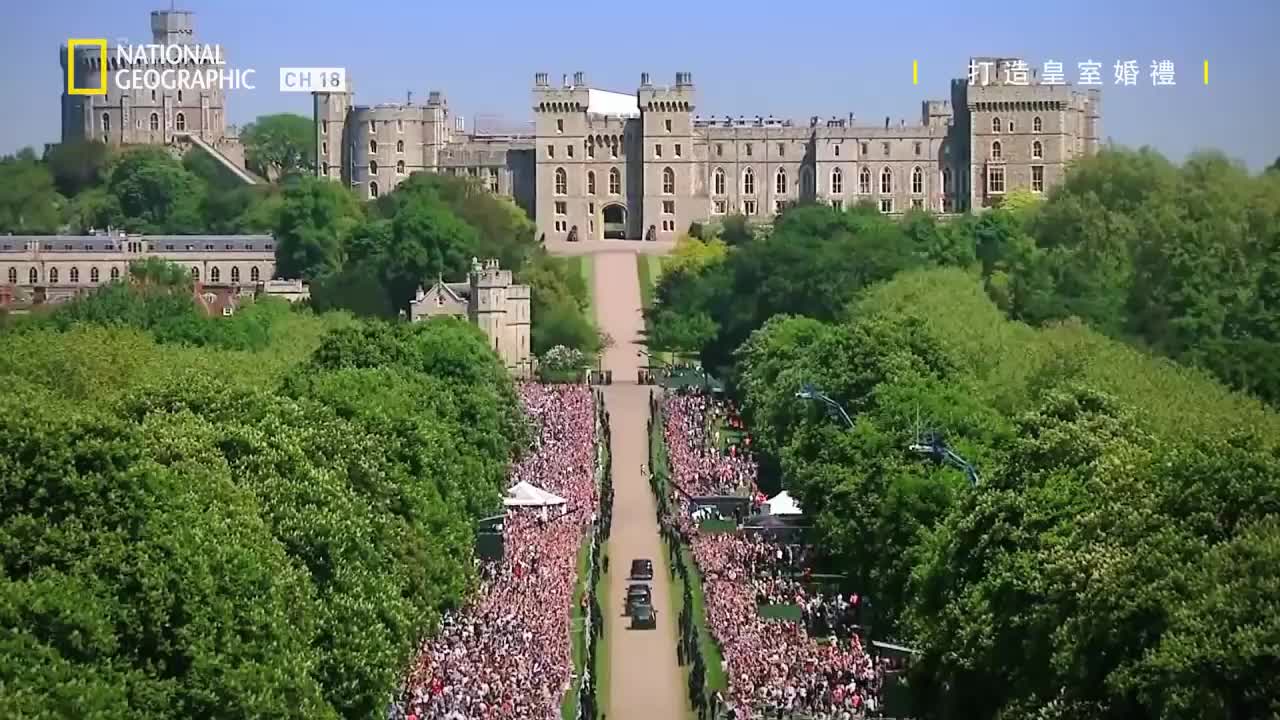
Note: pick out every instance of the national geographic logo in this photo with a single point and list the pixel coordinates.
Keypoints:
(101, 45)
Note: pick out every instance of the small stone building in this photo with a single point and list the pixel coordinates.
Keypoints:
(491, 300)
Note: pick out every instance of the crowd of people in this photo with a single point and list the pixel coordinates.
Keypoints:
(507, 654)
(774, 668)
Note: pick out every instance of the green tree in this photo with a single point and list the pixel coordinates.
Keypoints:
(78, 165)
(156, 194)
(29, 203)
(279, 145)
(315, 218)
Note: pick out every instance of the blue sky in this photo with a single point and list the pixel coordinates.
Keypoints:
(747, 58)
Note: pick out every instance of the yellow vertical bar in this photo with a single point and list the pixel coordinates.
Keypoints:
(1206, 72)
(915, 72)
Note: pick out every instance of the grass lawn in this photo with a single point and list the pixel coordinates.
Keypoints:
(585, 265)
(648, 268)
(577, 634)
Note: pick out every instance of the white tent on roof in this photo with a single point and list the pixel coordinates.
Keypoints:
(525, 494)
(781, 504)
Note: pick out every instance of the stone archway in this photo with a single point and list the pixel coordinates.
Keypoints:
(614, 225)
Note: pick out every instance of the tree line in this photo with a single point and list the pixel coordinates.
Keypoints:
(255, 523)
(1117, 558)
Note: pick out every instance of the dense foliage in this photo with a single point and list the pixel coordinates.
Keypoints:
(1117, 559)
(194, 527)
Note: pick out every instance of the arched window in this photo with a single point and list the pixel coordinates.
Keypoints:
(995, 125)
(917, 181)
(1037, 150)
(155, 121)
(373, 167)
(749, 182)
(195, 273)
(53, 275)
(74, 274)
(591, 182)
(179, 96)
(946, 181)
(373, 189)
(106, 122)
(780, 182)
(718, 181)
(668, 181)
(886, 181)
(215, 274)
(399, 146)
(562, 182)
(255, 275)
(180, 122)
(864, 181)
(115, 273)
(1036, 124)
(94, 275)
(13, 276)
(615, 181)
(399, 167)
(373, 147)
(1010, 126)
(235, 273)
(33, 276)
(837, 182)
(996, 151)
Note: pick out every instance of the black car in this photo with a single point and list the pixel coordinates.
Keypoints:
(641, 569)
(638, 595)
(644, 617)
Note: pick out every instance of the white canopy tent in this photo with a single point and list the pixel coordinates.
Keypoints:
(525, 494)
(781, 504)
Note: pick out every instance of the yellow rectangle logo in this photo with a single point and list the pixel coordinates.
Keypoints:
(101, 44)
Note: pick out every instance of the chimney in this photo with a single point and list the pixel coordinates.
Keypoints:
(540, 79)
(578, 80)
(644, 79)
(564, 80)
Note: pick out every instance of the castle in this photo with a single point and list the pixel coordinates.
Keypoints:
(490, 300)
(603, 164)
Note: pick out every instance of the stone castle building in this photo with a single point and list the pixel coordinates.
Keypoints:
(603, 164)
(175, 118)
(493, 302)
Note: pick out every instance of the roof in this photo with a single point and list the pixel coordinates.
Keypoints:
(783, 504)
(108, 243)
(604, 102)
(525, 494)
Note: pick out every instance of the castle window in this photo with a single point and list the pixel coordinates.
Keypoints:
(613, 149)
(1010, 126)
(719, 149)
(373, 167)
(886, 205)
(837, 181)
(562, 207)
(33, 276)
(615, 181)
(559, 125)
(917, 181)
(255, 274)
(1037, 178)
(837, 205)
(591, 148)
(997, 152)
(782, 150)
(668, 207)
(884, 147)
(373, 147)
(568, 149)
(235, 273)
(106, 123)
(551, 151)
(864, 181)
(865, 150)
(326, 169)
(718, 181)
(562, 182)
(399, 125)
(677, 151)
(837, 148)
(1037, 150)
(180, 122)
(657, 150)
(493, 179)
(1036, 124)
(373, 126)
(324, 126)
(115, 273)
(749, 182)
(995, 125)
(399, 167)
(94, 275)
(179, 96)
(195, 273)
(946, 181)
(399, 146)
(155, 121)
(748, 207)
(13, 276)
(53, 275)
(153, 96)
(591, 182)
(917, 149)
(667, 124)
(720, 207)
(748, 149)
(373, 190)
(886, 181)
(995, 179)
(780, 183)
(917, 204)
(215, 274)
(668, 181)
(324, 148)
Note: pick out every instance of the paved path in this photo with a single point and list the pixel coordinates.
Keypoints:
(645, 681)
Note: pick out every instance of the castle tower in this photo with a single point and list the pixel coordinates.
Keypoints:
(518, 328)
(667, 149)
(330, 110)
(173, 27)
(488, 307)
(560, 151)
